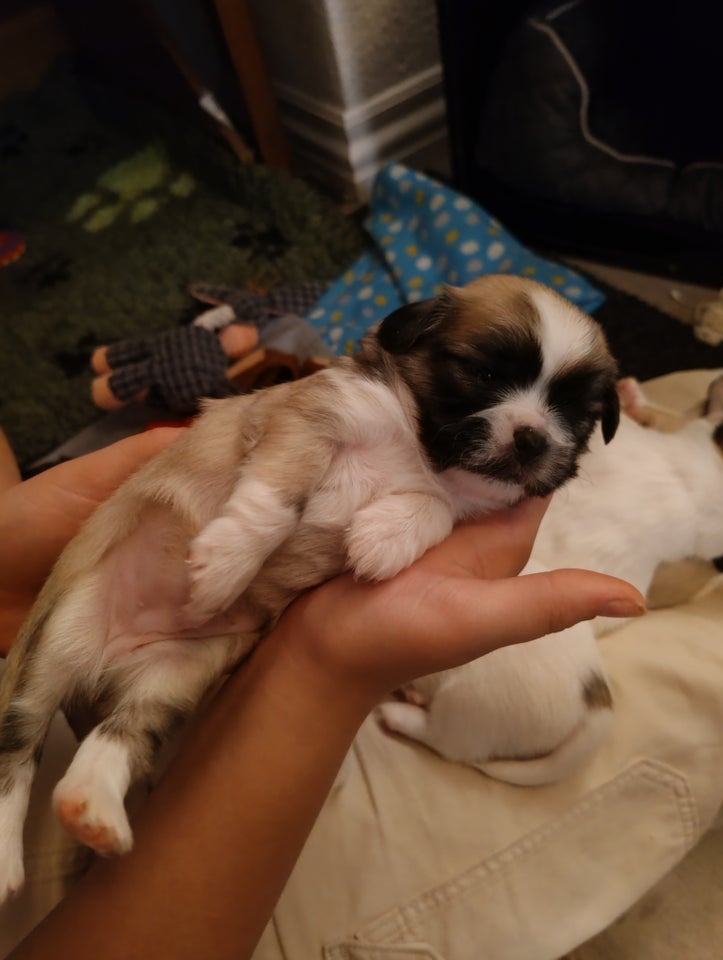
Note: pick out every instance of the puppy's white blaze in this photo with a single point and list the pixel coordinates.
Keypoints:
(526, 408)
(564, 333)
(96, 783)
(13, 809)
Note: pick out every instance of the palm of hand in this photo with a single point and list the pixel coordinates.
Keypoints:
(462, 599)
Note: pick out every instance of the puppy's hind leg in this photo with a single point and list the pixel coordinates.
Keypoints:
(32, 689)
(154, 694)
(89, 800)
(17, 769)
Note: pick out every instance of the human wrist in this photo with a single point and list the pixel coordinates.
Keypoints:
(299, 660)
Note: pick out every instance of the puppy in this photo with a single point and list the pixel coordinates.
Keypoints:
(652, 497)
(460, 404)
(533, 713)
(529, 714)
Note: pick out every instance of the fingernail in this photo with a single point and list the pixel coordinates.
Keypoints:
(620, 607)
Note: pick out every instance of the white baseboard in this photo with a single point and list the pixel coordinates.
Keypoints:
(347, 147)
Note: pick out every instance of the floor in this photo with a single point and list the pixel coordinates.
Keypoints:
(671, 297)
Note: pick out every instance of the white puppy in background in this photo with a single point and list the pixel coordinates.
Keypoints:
(653, 496)
(528, 714)
(457, 405)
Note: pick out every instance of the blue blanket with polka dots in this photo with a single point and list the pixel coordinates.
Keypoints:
(426, 235)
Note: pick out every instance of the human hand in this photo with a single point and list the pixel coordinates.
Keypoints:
(39, 516)
(462, 599)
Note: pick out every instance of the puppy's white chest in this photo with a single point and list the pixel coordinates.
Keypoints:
(472, 495)
(364, 471)
(377, 453)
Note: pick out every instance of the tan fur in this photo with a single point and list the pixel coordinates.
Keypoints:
(499, 303)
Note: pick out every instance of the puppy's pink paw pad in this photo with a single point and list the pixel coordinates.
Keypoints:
(100, 836)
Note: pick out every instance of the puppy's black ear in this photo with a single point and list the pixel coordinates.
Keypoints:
(403, 328)
(611, 411)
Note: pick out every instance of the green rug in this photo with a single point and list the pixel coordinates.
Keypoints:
(123, 206)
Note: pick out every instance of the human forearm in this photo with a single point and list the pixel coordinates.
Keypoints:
(220, 834)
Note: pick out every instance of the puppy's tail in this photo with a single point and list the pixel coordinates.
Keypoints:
(563, 761)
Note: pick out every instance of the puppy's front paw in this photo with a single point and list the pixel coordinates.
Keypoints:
(219, 569)
(391, 533)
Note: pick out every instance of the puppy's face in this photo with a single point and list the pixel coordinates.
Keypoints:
(509, 379)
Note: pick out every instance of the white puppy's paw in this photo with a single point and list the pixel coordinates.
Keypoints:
(402, 717)
(389, 534)
(632, 397)
(220, 568)
(95, 817)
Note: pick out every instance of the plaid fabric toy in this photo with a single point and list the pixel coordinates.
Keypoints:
(240, 303)
(177, 367)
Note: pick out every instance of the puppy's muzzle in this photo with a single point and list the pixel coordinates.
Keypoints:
(529, 445)
(530, 458)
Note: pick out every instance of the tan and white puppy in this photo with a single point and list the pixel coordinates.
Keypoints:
(457, 405)
(652, 496)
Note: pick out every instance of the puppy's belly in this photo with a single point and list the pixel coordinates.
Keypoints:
(141, 589)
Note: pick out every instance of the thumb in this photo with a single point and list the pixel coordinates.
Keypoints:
(515, 610)
(556, 599)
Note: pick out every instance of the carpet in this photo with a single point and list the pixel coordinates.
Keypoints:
(122, 206)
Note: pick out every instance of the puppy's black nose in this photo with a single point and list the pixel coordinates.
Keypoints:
(529, 444)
